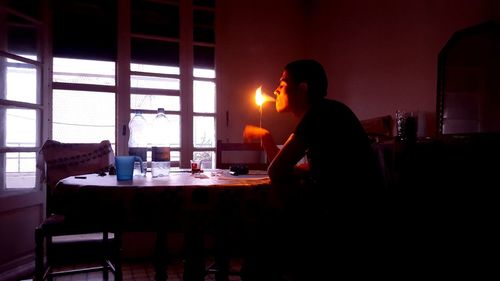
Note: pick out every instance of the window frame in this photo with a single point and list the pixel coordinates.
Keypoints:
(36, 62)
(123, 88)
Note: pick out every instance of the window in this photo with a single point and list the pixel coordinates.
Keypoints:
(159, 80)
(204, 110)
(83, 101)
(84, 71)
(20, 96)
(165, 66)
(204, 83)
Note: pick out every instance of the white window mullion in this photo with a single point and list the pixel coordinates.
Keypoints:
(123, 77)
(186, 74)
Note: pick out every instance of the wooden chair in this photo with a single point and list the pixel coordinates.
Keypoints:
(379, 129)
(250, 154)
(57, 233)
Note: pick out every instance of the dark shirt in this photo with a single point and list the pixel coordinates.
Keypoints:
(338, 149)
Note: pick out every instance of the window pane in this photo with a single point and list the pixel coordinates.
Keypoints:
(80, 116)
(204, 73)
(21, 36)
(155, 18)
(150, 82)
(204, 57)
(84, 29)
(31, 8)
(207, 157)
(204, 97)
(21, 127)
(148, 51)
(20, 169)
(153, 102)
(21, 82)
(204, 131)
(155, 68)
(84, 71)
(204, 30)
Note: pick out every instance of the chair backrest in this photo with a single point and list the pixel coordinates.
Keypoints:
(250, 154)
(379, 129)
(60, 160)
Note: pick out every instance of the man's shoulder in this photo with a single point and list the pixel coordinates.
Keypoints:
(332, 105)
(333, 102)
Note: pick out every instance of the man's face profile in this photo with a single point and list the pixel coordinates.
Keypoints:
(281, 92)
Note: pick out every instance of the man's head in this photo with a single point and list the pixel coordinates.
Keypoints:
(301, 83)
(310, 72)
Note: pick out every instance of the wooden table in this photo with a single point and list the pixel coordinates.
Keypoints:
(181, 201)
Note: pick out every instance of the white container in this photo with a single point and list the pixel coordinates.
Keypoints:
(160, 150)
(160, 164)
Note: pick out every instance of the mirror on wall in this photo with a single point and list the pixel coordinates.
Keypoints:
(468, 97)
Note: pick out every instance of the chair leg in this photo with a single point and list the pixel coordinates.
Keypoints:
(105, 250)
(39, 254)
(117, 255)
(50, 257)
(111, 250)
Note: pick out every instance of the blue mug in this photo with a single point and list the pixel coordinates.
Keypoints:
(125, 167)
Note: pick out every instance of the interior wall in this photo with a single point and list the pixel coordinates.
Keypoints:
(380, 55)
(255, 39)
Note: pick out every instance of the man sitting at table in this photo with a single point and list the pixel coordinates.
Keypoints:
(327, 210)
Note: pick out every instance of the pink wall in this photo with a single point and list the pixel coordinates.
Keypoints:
(381, 55)
(255, 40)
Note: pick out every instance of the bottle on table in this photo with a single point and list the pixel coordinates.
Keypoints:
(160, 150)
(137, 142)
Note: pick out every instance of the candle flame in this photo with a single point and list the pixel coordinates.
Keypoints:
(259, 98)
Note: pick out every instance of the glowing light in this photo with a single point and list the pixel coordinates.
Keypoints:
(259, 98)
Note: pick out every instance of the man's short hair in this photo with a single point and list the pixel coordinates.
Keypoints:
(311, 72)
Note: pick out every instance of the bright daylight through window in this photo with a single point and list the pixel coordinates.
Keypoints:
(81, 101)
(20, 127)
(76, 118)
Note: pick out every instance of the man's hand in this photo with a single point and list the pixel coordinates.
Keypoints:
(251, 133)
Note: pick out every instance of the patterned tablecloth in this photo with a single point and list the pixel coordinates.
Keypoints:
(147, 203)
